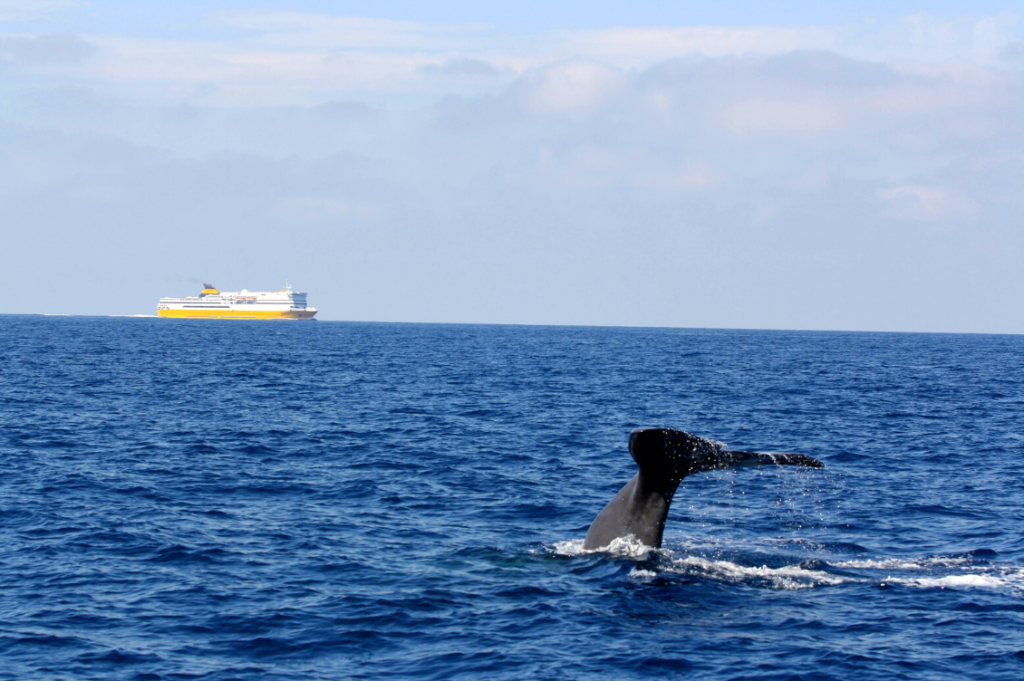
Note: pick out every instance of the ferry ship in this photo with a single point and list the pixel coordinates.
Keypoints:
(212, 304)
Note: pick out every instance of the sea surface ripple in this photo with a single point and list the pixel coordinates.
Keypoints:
(247, 500)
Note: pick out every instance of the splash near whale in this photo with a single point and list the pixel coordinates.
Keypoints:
(665, 457)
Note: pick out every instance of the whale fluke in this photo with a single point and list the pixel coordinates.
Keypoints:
(665, 457)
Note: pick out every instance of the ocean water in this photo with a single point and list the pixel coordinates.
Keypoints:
(247, 500)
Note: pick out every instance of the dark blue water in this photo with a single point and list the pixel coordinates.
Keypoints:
(246, 500)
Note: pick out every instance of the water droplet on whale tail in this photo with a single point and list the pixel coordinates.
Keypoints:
(730, 458)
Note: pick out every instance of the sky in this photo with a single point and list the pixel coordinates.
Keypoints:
(728, 165)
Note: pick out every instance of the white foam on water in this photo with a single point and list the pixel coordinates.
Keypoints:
(569, 547)
(871, 564)
(792, 577)
(621, 547)
(952, 581)
(787, 577)
(964, 575)
(982, 579)
(901, 563)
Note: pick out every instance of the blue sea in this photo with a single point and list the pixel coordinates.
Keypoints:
(323, 500)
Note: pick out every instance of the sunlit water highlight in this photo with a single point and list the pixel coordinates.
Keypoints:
(247, 500)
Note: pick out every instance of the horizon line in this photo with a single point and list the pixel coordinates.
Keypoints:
(524, 324)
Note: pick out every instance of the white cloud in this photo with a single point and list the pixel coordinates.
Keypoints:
(44, 49)
(916, 37)
(640, 46)
(924, 37)
(24, 10)
(809, 115)
(323, 31)
(1013, 52)
(321, 209)
(929, 203)
(165, 70)
(302, 58)
(590, 166)
(462, 68)
(569, 86)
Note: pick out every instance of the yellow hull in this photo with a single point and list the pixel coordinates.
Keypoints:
(234, 314)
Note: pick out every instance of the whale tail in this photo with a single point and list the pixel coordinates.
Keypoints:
(665, 457)
(668, 456)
